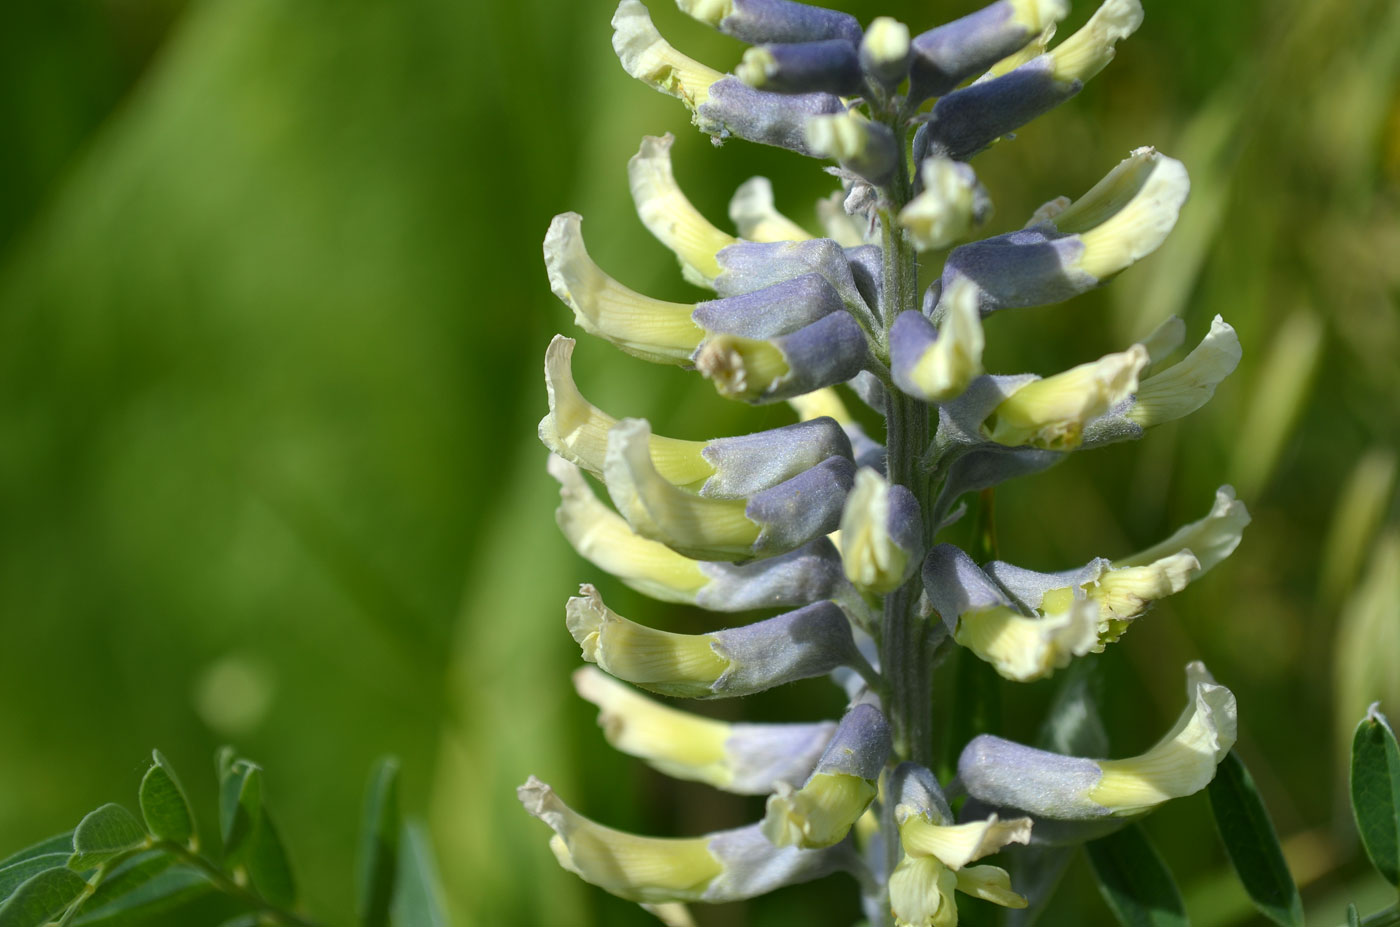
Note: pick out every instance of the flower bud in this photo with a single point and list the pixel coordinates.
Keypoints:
(752, 211)
(948, 55)
(1051, 413)
(745, 759)
(778, 119)
(1125, 217)
(885, 51)
(865, 148)
(950, 204)
(760, 21)
(828, 66)
(1006, 774)
(778, 309)
(937, 365)
(843, 784)
(829, 351)
(668, 215)
(881, 534)
(751, 265)
(654, 330)
(968, 120)
(724, 866)
(810, 641)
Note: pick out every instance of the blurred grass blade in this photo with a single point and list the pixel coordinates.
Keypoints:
(1353, 916)
(268, 865)
(1279, 391)
(163, 802)
(1251, 843)
(1366, 655)
(240, 801)
(17, 873)
(1357, 514)
(58, 843)
(103, 834)
(1375, 793)
(379, 844)
(42, 898)
(418, 898)
(1134, 881)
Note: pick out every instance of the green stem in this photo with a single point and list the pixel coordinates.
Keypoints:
(905, 651)
(229, 887)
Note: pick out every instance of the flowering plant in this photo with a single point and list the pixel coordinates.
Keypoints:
(823, 519)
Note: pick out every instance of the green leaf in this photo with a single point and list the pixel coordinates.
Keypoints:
(58, 843)
(240, 804)
(103, 834)
(1353, 916)
(1251, 843)
(418, 898)
(163, 802)
(16, 874)
(1134, 881)
(379, 844)
(129, 876)
(224, 759)
(138, 904)
(1375, 793)
(42, 898)
(268, 866)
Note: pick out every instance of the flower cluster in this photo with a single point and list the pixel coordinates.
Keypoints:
(840, 530)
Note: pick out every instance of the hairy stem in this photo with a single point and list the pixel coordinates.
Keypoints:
(904, 651)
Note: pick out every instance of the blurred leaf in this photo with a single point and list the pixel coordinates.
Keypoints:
(224, 758)
(1375, 793)
(240, 801)
(42, 898)
(138, 903)
(1353, 916)
(1036, 872)
(418, 899)
(1251, 843)
(268, 866)
(379, 844)
(977, 692)
(1072, 725)
(1135, 883)
(17, 873)
(163, 802)
(129, 876)
(58, 843)
(103, 834)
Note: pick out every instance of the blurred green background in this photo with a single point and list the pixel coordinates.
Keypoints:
(272, 315)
